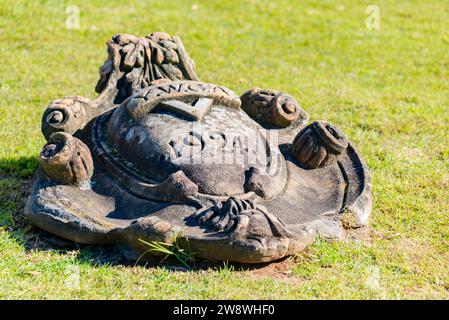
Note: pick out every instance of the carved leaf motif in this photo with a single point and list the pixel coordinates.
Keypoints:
(124, 39)
(171, 56)
(130, 56)
(157, 56)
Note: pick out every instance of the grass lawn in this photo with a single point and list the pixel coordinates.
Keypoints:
(387, 89)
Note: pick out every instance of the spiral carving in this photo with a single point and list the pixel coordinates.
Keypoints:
(66, 159)
(318, 145)
(68, 114)
(272, 107)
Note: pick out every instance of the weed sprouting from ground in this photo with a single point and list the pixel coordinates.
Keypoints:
(173, 249)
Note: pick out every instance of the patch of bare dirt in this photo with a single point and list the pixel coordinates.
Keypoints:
(363, 234)
(366, 235)
(280, 269)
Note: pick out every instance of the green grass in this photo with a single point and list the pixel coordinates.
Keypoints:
(387, 89)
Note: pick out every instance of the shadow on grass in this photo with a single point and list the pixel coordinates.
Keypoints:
(16, 180)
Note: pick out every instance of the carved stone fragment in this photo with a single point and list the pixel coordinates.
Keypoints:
(318, 145)
(134, 63)
(160, 153)
(66, 159)
(68, 114)
(272, 107)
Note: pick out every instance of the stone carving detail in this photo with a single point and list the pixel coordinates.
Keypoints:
(144, 60)
(318, 145)
(66, 159)
(272, 107)
(68, 114)
(171, 95)
(158, 151)
(243, 217)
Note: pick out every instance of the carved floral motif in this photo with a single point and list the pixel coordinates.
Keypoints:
(144, 60)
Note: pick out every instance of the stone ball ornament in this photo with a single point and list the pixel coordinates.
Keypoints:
(158, 154)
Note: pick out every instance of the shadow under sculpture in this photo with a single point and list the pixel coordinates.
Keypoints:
(158, 153)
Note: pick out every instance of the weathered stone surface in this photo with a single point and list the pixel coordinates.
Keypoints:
(66, 159)
(159, 153)
(134, 63)
(68, 114)
(318, 145)
(272, 107)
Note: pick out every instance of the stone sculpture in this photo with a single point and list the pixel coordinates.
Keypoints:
(158, 153)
